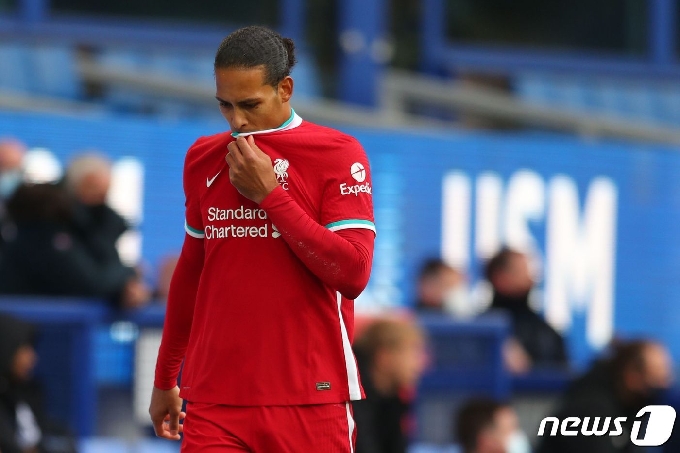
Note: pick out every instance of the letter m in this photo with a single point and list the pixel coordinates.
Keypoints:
(580, 256)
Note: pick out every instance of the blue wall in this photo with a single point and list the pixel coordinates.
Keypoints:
(409, 170)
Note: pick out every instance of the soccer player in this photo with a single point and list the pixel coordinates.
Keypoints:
(279, 242)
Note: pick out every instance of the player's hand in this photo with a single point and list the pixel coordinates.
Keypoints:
(166, 412)
(250, 169)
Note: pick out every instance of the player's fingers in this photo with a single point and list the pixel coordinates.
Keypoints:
(173, 423)
(235, 151)
(245, 148)
(159, 427)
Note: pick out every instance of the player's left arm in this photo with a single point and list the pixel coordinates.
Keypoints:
(340, 257)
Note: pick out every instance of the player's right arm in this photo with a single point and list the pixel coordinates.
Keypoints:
(166, 404)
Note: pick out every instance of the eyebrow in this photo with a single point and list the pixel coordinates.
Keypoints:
(244, 101)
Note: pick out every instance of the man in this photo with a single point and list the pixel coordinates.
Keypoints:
(535, 343)
(97, 226)
(634, 376)
(391, 356)
(487, 426)
(441, 289)
(279, 242)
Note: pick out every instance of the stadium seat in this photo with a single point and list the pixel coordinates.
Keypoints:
(53, 72)
(14, 73)
(637, 100)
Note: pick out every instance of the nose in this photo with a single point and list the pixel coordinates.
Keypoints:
(238, 121)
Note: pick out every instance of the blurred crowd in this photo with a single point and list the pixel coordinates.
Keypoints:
(60, 238)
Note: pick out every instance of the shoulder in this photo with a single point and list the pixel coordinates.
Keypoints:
(334, 139)
(205, 145)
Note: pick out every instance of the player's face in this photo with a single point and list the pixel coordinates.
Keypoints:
(248, 103)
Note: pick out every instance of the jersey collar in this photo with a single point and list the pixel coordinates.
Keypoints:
(291, 123)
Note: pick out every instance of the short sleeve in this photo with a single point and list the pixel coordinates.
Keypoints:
(193, 222)
(348, 191)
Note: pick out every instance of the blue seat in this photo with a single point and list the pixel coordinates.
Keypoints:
(122, 98)
(14, 71)
(53, 72)
(306, 77)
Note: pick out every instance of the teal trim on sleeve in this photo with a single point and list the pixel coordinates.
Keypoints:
(351, 223)
(198, 234)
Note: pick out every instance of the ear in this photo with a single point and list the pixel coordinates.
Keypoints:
(286, 89)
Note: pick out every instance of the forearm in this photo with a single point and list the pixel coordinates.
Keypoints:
(179, 313)
(341, 260)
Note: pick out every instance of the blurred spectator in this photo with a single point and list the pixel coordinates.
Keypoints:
(391, 357)
(23, 427)
(96, 224)
(632, 377)
(88, 180)
(535, 343)
(47, 254)
(441, 288)
(487, 426)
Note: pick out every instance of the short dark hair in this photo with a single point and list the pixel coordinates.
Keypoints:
(499, 262)
(475, 416)
(254, 46)
(432, 267)
(629, 355)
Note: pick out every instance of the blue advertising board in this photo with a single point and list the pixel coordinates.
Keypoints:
(598, 218)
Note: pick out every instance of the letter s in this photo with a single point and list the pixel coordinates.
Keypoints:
(659, 427)
(618, 422)
(574, 422)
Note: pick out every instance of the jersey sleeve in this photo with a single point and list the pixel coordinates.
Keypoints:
(348, 191)
(193, 222)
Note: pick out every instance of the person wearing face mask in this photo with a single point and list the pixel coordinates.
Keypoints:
(487, 426)
(635, 374)
(95, 224)
(534, 342)
(391, 357)
(441, 289)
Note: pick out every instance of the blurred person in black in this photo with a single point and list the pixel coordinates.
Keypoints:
(441, 289)
(88, 181)
(534, 343)
(634, 375)
(23, 426)
(43, 256)
(391, 357)
(484, 425)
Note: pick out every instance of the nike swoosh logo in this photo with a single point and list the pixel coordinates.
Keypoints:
(210, 181)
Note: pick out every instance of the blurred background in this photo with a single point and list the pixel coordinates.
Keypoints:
(548, 131)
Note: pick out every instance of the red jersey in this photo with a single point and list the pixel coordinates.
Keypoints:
(265, 330)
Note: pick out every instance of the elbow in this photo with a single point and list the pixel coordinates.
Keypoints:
(352, 288)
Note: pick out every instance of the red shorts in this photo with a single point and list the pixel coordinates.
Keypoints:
(323, 428)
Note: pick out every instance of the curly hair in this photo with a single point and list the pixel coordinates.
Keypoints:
(255, 46)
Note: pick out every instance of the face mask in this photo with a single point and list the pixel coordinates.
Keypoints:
(517, 443)
(9, 181)
(457, 302)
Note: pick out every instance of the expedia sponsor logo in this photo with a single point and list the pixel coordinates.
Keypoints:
(356, 189)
